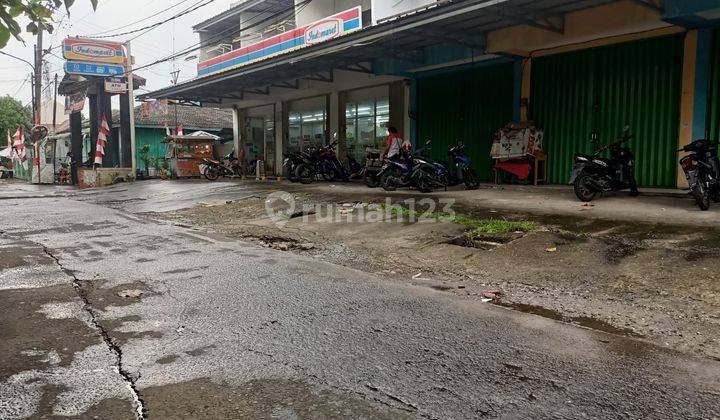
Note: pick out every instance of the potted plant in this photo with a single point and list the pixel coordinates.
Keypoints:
(152, 166)
(164, 168)
(144, 158)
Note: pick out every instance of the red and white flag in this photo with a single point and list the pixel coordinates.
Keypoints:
(167, 128)
(103, 134)
(180, 130)
(19, 147)
(36, 157)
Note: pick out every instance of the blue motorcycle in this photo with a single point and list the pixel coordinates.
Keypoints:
(413, 170)
(463, 170)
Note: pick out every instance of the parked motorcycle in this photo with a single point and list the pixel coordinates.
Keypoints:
(372, 168)
(291, 162)
(702, 170)
(413, 170)
(213, 169)
(463, 170)
(593, 174)
(323, 162)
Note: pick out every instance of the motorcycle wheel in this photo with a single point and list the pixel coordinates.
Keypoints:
(329, 174)
(701, 196)
(472, 181)
(305, 174)
(423, 182)
(372, 181)
(211, 174)
(290, 173)
(390, 180)
(583, 191)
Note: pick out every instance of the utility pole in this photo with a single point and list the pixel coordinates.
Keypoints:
(32, 96)
(55, 104)
(131, 99)
(38, 76)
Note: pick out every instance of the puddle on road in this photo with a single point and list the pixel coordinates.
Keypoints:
(584, 321)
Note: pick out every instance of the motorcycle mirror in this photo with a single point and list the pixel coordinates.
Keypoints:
(427, 143)
(593, 137)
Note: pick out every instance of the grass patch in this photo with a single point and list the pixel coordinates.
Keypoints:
(495, 225)
(476, 226)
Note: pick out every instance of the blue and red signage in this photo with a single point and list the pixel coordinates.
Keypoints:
(314, 33)
(93, 51)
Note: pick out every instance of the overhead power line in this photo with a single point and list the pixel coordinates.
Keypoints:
(155, 25)
(228, 32)
(140, 20)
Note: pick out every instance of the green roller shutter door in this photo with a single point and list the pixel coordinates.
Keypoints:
(470, 105)
(713, 115)
(603, 89)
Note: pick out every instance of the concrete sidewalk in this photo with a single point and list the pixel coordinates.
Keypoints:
(673, 207)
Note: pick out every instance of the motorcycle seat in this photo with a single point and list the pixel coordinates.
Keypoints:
(591, 158)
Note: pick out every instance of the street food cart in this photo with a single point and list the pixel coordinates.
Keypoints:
(185, 153)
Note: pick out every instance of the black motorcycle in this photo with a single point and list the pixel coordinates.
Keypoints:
(291, 162)
(593, 174)
(702, 170)
(463, 171)
(324, 163)
(373, 165)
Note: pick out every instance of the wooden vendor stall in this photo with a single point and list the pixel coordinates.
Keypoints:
(185, 154)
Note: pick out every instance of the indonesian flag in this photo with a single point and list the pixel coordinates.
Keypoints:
(167, 128)
(180, 130)
(103, 134)
(19, 147)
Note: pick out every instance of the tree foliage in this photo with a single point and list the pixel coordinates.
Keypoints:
(39, 12)
(12, 115)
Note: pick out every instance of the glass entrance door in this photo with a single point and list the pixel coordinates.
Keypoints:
(366, 125)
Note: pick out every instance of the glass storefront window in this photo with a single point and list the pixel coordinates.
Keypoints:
(306, 130)
(366, 125)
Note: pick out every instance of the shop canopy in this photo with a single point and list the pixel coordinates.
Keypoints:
(403, 38)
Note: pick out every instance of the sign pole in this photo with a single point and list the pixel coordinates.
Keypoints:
(131, 99)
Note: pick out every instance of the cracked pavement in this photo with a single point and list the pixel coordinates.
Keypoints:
(111, 314)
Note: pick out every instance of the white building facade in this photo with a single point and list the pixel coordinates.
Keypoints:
(297, 71)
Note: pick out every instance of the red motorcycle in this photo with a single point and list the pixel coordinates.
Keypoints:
(213, 169)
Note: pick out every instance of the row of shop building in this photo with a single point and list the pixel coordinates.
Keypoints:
(449, 70)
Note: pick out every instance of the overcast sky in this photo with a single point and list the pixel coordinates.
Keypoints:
(109, 15)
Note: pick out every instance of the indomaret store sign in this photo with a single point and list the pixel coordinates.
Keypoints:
(311, 34)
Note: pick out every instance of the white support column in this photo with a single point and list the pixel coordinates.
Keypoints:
(333, 117)
(236, 130)
(333, 113)
(280, 129)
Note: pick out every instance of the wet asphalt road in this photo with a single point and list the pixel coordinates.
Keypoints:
(225, 329)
